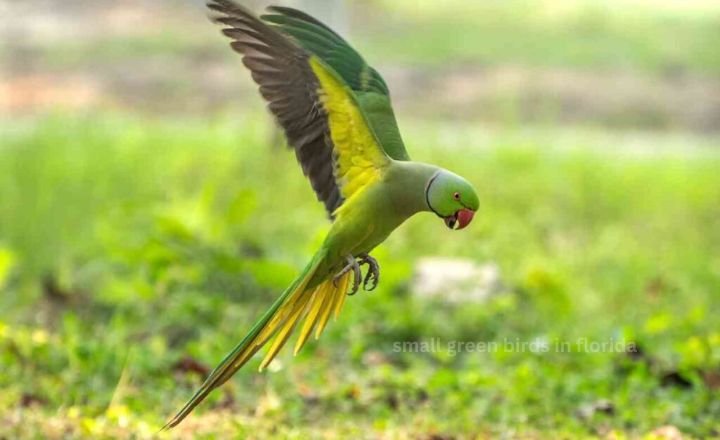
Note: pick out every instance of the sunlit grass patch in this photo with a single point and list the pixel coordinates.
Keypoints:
(134, 253)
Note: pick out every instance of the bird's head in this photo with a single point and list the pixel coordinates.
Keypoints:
(452, 198)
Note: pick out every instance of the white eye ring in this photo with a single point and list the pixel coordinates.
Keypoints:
(456, 196)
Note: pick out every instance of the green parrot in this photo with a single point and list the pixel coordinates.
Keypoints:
(336, 114)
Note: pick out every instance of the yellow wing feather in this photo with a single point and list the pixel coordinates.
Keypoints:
(359, 159)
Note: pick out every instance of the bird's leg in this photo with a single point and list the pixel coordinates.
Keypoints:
(353, 265)
(373, 273)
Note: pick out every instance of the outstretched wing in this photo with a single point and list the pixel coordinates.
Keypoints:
(322, 119)
(365, 82)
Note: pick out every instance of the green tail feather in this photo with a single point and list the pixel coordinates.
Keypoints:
(228, 366)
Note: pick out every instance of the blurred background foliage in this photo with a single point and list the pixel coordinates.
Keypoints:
(148, 214)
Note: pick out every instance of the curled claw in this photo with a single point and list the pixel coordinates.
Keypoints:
(353, 265)
(373, 273)
(370, 277)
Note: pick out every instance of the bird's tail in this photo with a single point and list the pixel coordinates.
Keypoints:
(299, 301)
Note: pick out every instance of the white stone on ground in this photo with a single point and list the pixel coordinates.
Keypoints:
(456, 280)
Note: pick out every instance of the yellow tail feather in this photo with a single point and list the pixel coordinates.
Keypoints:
(298, 302)
(284, 333)
(341, 298)
(311, 318)
(314, 306)
(328, 304)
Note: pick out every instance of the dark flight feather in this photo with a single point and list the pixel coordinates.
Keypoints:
(281, 69)
(322, 41)
(366, 83)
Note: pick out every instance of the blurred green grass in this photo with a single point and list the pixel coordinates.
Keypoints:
(614, 35)
(570, 34)
(128, 244)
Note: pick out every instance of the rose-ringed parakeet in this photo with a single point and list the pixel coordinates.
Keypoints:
(336, 114)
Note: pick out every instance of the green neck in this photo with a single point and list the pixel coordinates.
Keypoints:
(408, 182)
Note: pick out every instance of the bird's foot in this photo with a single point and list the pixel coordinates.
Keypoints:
(373, 273)
(353, 265)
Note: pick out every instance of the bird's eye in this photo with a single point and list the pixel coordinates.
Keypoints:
(456, 196)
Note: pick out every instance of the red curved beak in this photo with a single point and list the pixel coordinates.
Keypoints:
(464, 217)
(460, 219)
